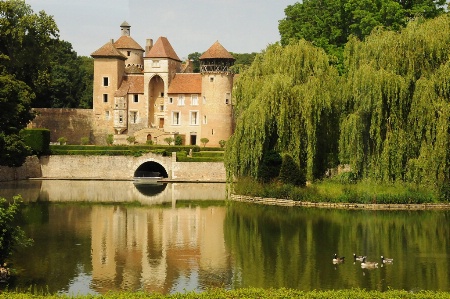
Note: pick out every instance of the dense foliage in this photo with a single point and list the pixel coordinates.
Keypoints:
(329, 23)
(11, 236)
(388, 116)
(37, 139)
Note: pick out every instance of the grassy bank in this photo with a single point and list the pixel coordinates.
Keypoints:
(251, 293)
(335, 191)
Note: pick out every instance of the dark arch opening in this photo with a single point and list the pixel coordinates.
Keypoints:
(151, 169)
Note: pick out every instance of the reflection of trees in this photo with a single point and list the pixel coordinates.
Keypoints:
(53, 227)
(290, 247)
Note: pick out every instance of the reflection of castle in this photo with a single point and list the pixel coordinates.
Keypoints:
(156, 249)
(150, 94)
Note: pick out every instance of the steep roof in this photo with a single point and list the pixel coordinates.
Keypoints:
(127, 42)
(216, 51)
(108, 51)
(130, 84)
(186, 83)
(162, 49)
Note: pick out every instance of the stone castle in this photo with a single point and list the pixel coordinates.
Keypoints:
(150, 94)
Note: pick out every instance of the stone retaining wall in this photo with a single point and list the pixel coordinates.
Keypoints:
(347, 206)
(31, 168)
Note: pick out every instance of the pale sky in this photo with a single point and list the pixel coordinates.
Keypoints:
(241, 26)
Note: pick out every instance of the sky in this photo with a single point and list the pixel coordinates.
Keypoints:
(241, 26)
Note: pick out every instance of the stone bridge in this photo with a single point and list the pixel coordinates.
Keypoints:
(127, 167)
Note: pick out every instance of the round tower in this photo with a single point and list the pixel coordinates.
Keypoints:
(217, 85)
(130, 48)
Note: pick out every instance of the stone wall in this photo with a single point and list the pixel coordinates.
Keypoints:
(72, 124)
(123, 168)
(111, 168)
(30, 169)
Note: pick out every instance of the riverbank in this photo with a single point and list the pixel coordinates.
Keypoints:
(249, 293)
(333, 205)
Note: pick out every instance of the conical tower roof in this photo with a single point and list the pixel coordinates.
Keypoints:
(216, 51)
(127, 42)
(108, 50)
(162, 49)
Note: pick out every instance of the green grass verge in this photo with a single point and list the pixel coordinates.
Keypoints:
(251, 293)
(336, 192)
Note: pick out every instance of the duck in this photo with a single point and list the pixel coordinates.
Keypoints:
(358, 257)
(368, 265)
(337, 260)
(385, 260)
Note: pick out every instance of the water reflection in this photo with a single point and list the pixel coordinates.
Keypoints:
(186, 238)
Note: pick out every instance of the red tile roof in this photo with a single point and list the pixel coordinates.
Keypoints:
(162, 49)
(108, 50)
(186, 83)
(216, 51)
(131, 84)
(127, 42)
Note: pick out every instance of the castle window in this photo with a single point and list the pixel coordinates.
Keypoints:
(211, 79)
(133, 117)
(162, 95)
(181, 100)
(105, 98)
(175, 118)
(136, 98)
(155, 63)
(128, 53)
(194, 118)
(105, 81)
(204, 100)
(107, 115)
(194, 99)
(161, 108)
(170, 100)
(227, 98)
(204, 120)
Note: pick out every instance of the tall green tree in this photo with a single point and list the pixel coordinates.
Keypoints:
(27, 39)
(329, 23)
(286, 101)
(396, 125)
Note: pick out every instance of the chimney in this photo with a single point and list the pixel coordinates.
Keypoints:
(148, 45)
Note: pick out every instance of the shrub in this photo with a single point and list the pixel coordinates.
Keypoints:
(269, 167)
(290, 172)
(11, 235)
(204, 141)
(84, 140)
(37, 139)
(149, 142)
(109, 139)
(62, 140)
(169, 140)
(222, 143)
(131, 139)
(178, 140)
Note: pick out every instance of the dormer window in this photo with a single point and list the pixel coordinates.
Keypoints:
(128, 53)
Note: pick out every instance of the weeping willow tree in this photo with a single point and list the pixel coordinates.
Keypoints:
(395, 106)
(287, 102)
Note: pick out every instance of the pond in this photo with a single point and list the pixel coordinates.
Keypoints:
(91, 237)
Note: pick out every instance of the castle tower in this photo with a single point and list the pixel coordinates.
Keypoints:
(217, 85)
(109, 68)
(130, 48)
(161, 63)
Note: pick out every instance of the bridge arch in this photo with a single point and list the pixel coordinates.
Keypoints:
(151, 169)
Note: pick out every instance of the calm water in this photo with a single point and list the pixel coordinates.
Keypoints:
(96, 236)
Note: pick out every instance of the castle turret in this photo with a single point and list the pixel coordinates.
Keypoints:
(217, 85)
(130, 48)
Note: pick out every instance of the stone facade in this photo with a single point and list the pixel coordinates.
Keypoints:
(151, 95)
